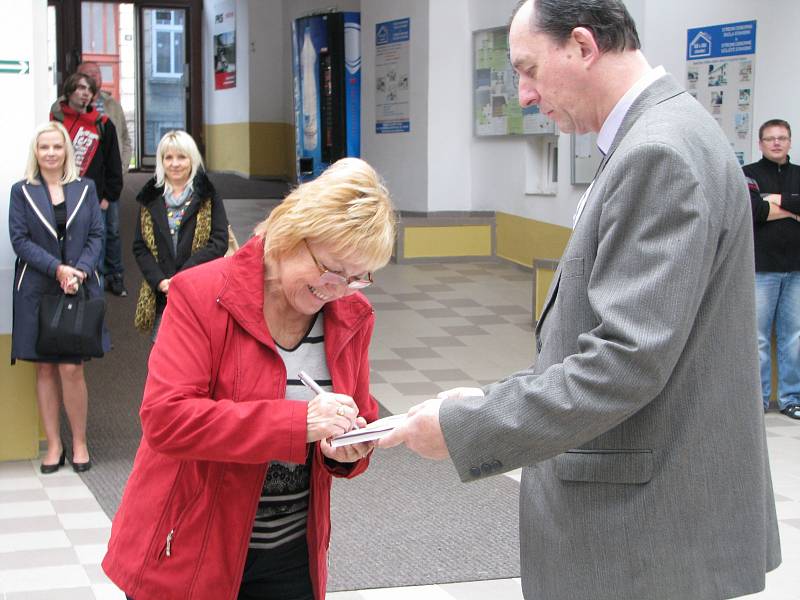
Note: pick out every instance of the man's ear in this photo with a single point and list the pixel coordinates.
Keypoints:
(583, 37)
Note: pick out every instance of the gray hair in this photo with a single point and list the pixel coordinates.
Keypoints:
(609, 21)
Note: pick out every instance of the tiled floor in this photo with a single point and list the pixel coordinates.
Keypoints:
(438, 326)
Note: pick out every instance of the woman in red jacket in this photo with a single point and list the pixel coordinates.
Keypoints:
(229, 496)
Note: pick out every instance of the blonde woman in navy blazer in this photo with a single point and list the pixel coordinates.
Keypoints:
(56, 231)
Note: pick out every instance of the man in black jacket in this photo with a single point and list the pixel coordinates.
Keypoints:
(95, 140)
(775, 196)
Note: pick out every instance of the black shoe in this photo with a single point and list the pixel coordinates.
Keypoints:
(117, 286)
(48, 469)
(792, 411)
(82, 467)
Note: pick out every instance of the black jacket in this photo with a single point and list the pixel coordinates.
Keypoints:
(776, 242)
(152, 199)
(106, 168)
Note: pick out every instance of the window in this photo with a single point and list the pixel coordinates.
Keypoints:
(167, 44)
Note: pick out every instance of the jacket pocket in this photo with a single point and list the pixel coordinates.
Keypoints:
(605, 466)
(572, 268)
(179, 506)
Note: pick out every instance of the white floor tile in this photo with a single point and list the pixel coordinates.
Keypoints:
(44, 578)
(107, 591)
(87, 520)
(17, 510)
(21, 483)
(68, 493)
(15, 542)
(91, 554)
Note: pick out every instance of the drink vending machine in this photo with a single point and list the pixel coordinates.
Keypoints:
(326, 61)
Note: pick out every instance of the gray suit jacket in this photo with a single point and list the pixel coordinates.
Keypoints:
(640, 425)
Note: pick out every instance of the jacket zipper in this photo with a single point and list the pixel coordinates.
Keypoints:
(22, 275)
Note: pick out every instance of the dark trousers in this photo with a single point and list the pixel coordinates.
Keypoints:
(280, 574)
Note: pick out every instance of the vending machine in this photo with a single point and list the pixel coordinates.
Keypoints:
(326, 60)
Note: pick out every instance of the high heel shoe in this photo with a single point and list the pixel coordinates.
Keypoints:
(47, 469)
(82, 467)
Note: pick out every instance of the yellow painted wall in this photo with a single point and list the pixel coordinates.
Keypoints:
(454, 240)
(272, 150)
(253, 149)
(522, 240)
(544, 278)
(19, 415)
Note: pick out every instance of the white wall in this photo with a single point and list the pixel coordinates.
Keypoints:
(449, 118)
(777, 85)
(231, 105)
(24, 38)
(268, 57)
(402, 158)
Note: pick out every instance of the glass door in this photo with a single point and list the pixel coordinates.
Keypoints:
(164, 80)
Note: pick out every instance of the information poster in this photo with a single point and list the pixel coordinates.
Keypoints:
(391, 76)
(720, 74)
(225, 45)
(496, 100)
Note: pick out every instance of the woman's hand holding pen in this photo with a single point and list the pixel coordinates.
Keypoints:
(329, 414)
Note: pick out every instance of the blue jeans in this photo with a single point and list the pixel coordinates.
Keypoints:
(111, 253)
(778, 301)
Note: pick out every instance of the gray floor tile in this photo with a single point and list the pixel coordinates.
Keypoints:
(438, 375)
(95, 573)
(32, 559)
(792, 522)
(441, 342)
(83, 537)
(433, 287)
(433, 313)
(462, 302)
(16, 469)
(487, 320)
(29, 524)
(385, 306)
(419, 388)
(389, 364)
(23, 496)
(431, 267)
(466, 330)
(81, 593)
(412, 296)
(376, 378)
(79, 505)
(453, 279)
(416, 352)
(508, 309)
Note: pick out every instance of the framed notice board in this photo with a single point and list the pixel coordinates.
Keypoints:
(495, 100)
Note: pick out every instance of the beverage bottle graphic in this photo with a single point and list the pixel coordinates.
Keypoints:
(308, 63)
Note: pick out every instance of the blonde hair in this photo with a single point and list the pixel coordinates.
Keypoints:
(347, 209)
(32, 171)
(178, 141)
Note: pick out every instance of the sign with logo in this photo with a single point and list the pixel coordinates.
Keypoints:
(225, 45)
(720, 64)
(392, 76)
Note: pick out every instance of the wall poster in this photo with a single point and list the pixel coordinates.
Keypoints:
(720, 74)
(496, 100)
(225, 45)
(391, 76)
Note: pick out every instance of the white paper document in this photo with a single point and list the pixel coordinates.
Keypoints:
(374, 431)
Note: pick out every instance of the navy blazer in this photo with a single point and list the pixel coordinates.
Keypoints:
(34, 237)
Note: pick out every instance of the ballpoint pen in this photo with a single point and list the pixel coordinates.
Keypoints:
(309, 382)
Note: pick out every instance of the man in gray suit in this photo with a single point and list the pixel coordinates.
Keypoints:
(639, 427)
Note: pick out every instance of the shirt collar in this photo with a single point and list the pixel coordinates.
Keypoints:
(614, 119)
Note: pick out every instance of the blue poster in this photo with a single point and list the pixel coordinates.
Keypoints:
(721, 41)
(392, 76)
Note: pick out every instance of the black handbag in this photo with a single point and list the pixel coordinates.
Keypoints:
(71, 325)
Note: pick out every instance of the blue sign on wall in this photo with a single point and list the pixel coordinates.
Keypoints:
(721, 41)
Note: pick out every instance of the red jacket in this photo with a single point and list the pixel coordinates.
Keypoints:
(213, 416)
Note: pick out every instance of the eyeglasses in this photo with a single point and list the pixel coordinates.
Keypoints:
(328, 277)
(776, 138)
